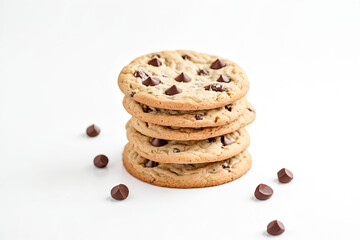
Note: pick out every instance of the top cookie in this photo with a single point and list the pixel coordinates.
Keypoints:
(183, 80)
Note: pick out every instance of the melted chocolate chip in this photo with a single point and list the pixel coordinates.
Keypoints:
(151, 82)
(155, 62)
(223, 78)
(146, 109)
(215, 87)
(156, 142)
(203, 72)
(226, 166)
(132, 94)
(218, 64)
(198, 116)
(227, 107)
(140, 74)
(183, 78)
(173, 90)
(176, 150)
(226, 141)
(186, 57)
(151, 164)
(211, 140)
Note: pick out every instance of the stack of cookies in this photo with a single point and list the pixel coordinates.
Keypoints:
(188, 117)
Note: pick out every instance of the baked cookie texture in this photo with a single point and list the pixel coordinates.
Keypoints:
(184, 134)
(191, 151)
(186, 175)
(201, 81)
(188, 119)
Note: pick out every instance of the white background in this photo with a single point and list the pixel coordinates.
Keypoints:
(59, 62)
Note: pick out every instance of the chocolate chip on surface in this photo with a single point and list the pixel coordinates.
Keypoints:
(223, 78)
(155, 62)
(216, 87)
(101, 161)
(212, 140)
(186, 57)
(275, 228)
(203, 72)
(226, 141)
(285, 175)
(132, 94)
(198, 116)
(151, 82)
(93, 131)
(156, 142)
(183, 78)
(173, 90)
(120, 192)
(263, 192)
(146, 109)
(140, 74)
(151, 164)
(176, 150)
(218, 64)
(227, 107)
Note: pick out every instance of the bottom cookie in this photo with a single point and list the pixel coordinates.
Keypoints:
(186, 175)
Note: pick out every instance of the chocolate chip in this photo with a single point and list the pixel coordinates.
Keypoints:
(186, 57)
(151, 164)
(132, 94)
(263, 192)
(226, 166)
(146, 109)
(198, 116)
(140, 74)
(275, 228)
(93, 131)
(101, 161)
(155, 62)
(203, 72)
(151, 82)
(251, 110)
(228, 108)
(211, 140)
(156, 142)
(120, 192)
(218, 64)
(285, 175)
(183, 78)
(176, 150)
(223, 78)
(215, 87)
(226, 141)
(173, 90)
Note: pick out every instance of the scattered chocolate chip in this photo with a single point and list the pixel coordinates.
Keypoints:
(223, 78)
(176, 150)
(263, 192)
(186, 57)
(101, 161)
(173, 90)
(226, 166)
(155, 62)
(151, 164)
(120, 192)
(146, 109)
(151, 82)
(215, 87)
(275, 228)
(285, 175)
(211, 140)
(226, 141)
(140, 74)
(93, 131)
(198, 116)
(218, 64)
(156, 142)
(203, 72)
(132, 94)
(183, 78)
(227, 107)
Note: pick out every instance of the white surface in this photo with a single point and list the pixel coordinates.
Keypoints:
(58, 73)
